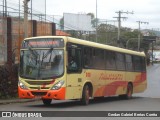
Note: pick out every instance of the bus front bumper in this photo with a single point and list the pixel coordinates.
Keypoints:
(44, 94)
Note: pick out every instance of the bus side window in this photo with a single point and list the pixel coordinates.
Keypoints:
(137, 63)
(99, 59)
(74, 59)
(88, 57)
(129, 63)
(143, 61)
(120, 61)
(110, 60)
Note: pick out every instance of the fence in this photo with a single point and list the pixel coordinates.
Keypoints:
(12, 34)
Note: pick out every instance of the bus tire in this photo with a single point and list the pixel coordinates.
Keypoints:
(129, 92)
(47, 101)
(85, 95)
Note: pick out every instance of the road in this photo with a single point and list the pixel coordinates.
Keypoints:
(153, 87)
(147, 101)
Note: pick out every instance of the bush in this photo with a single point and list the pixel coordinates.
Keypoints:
(8, 81)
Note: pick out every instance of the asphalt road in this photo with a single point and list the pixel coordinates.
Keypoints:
(147, 101)
(153, 85)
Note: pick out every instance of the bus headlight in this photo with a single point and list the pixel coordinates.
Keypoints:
(58, 85)
(21, 85)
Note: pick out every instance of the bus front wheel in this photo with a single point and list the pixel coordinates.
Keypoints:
(85, 95)
(47, 101)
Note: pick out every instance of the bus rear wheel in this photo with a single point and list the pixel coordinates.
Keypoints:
(85, 95)
(47, 101)
(129, 92)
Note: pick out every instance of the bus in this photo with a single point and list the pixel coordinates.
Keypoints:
(100, 71)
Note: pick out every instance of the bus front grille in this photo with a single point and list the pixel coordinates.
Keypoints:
(39, 82)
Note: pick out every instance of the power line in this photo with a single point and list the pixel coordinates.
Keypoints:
(19, 9)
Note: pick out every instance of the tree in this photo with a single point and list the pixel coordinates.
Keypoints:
(130, 41)
(106, 34)
(93, 20)
(61, 23)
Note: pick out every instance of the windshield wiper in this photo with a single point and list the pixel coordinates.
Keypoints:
(47, 53)
(33, 52)
(43, 57)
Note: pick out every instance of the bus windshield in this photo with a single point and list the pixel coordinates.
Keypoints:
(41, 63)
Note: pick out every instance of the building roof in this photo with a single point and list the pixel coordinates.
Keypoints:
(61, 33)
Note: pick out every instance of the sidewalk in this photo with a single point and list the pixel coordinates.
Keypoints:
(16, 100)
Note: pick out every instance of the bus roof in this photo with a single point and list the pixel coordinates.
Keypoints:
(92, 44)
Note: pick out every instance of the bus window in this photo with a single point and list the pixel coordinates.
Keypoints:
(129, 63)
(137, 63)
(74, 59)
(120, 61)
(143, 61)
(98, 59)
(41, 63)
(110, 60)
(88, 57)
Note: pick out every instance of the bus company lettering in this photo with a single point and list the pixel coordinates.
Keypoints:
(88, 74)
(104, 76)
(44, 43)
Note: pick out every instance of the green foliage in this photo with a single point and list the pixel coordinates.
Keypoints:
(61, 23)
(130, 34)
(107, 34)
(129, 39)
(92, 15)
(93, 20)
(8, 81)
(158, 43)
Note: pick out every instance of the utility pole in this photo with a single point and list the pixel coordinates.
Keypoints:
(19, 42)
(96, 21)
(45, 17)
(139, 35)
(31, 9)
(26, 18)
(4, 8)
(31, 18)
(119, 22)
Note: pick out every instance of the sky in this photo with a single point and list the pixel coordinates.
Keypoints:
(144, 10)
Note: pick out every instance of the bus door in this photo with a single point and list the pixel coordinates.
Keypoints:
(74, 72)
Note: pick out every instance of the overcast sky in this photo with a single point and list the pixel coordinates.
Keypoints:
(144, 10)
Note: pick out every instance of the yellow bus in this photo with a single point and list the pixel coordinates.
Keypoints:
(61, 68)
